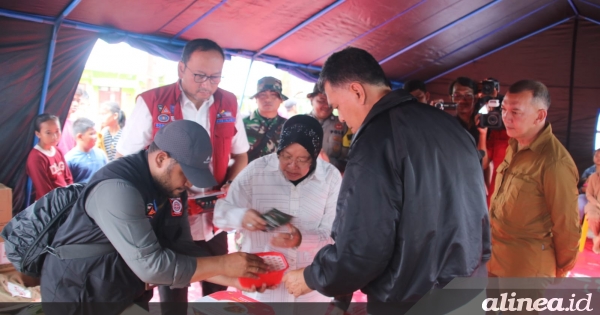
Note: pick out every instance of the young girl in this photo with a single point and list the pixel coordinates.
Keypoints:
(592, 208)
(113, 120)
(45, 164)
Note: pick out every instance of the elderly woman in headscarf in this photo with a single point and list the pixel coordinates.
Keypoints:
(294, 181)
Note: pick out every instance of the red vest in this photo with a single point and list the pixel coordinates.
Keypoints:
(165, 106)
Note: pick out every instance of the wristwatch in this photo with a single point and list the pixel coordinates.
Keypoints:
(228, 182)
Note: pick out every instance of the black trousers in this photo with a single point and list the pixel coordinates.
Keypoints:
(174, 301)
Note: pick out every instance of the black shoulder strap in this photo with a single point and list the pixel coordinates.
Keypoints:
(77, 251)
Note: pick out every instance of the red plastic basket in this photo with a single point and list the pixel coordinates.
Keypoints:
(278, 265)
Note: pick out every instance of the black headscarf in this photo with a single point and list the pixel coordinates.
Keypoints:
(305, 131)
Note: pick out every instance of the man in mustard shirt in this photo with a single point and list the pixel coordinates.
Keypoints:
(533, 212)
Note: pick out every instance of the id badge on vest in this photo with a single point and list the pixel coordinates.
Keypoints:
(176, 207)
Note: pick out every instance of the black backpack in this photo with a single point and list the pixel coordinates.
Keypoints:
(29, 235)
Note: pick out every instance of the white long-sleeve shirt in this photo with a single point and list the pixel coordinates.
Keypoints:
(137, 134)
(262, 186)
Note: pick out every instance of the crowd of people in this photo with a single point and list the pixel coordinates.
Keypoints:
(391, 196)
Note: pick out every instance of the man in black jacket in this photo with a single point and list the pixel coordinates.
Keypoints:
(411, 214)
(138, 204)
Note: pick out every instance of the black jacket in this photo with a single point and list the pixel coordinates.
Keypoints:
(411, 213)
(106, 284)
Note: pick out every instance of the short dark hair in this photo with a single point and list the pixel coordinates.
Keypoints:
(81, 125)
(153, 147)
(539, 90)
(352, 64)
(200, 44)
(464, 81)
(413, 85)
(39, 120)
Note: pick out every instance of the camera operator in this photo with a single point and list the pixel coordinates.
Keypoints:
(495, 138)
(417, 89)
(464, 93)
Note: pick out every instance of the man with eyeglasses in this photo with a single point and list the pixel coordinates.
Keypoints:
(194, 97)
(263, 126)
(463, 92)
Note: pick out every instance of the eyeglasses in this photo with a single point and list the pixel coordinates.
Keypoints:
(460, 97)
(201, 78)
(288, 159)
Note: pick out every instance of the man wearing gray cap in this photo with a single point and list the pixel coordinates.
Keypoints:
(138, 204)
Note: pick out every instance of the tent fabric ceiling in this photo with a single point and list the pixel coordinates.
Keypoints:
(23, 52)
(431, 40)
(382, 27)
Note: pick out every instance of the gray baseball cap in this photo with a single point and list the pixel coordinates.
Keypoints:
(189, 144)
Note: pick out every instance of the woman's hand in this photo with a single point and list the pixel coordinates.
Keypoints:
(287, 240)
(253, 221)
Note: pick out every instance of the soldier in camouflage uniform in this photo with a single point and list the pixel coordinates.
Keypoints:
(333, 129)
(263, 126)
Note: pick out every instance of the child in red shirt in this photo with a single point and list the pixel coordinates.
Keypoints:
(45, 164)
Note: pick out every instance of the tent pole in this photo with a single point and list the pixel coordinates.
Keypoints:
(573, 7)
(498, 49)
(591, 4)
(572, 81)
(509, 24)
(591, 20)
(369, 31)
(246, 82)
(47, 73)
(51, 49)
(300, 26)
(176, 16)
(49, 58)
(187, 28)
(149, 38)
(448, 26)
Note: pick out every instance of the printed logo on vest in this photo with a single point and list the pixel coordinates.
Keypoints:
(150, 211)
(339, 126)
(172, 109)
(165, 111)
(163, 118)
(160, 107)
(224, 114)
(176, 207)
(225, 117)
(159, 125)
(225, 120)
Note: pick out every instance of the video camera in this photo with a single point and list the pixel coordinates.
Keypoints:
(491, 114)
(488, 86)
(443, 106)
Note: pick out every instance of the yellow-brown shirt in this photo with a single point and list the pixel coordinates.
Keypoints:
(533, 213)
